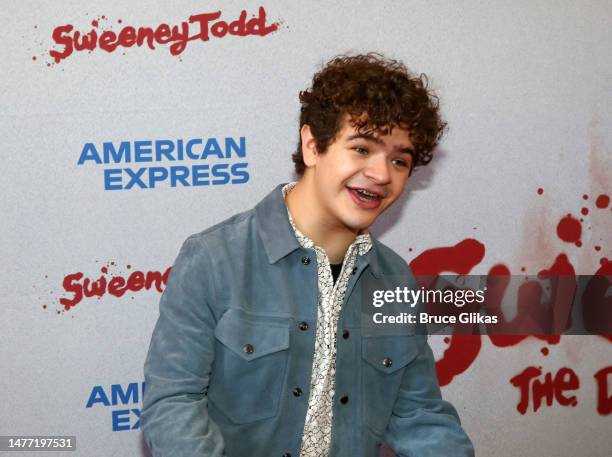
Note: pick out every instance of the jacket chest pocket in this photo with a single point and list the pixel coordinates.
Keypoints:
(249, 369)
(385, 358)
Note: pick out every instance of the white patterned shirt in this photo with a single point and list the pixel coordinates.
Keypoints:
(316, 438)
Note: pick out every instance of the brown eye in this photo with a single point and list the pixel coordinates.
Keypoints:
(360, 150)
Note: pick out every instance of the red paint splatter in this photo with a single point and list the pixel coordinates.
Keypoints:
(597, 304)
(535, 315)
(523, 269)
(585, 197)
(459, 259)
(598, 248)
(604, 399)
(464, 349)
(94, 23)
(569, 229)
(584, 211)
(44, 306)
(446, 339)
(563, 279)
(540, 191)
(104, 270)
(602, 201)
(458, 357)
(544, 350)
(129, 266)
(119, 21)
(578, 243)
(33, 57)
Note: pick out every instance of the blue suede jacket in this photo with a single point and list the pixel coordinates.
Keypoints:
(229, 364)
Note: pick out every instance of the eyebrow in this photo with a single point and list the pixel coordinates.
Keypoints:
(372, 138)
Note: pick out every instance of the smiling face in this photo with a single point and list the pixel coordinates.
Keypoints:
(359, 175)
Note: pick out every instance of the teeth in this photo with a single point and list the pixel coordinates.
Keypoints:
(366, 194)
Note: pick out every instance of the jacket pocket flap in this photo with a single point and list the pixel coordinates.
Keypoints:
(389, 353)
(251, 339)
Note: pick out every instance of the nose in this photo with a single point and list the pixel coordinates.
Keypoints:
(377, 169)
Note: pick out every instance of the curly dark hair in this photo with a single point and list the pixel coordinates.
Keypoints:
(383, 89)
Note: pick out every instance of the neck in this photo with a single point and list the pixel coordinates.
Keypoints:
(311, 219)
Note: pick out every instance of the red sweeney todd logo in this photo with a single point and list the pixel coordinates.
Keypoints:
(198, 27)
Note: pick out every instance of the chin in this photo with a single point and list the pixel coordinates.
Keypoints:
(358, 225)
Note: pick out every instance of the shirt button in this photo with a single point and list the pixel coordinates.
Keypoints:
(344, 400)
(345, 334)
(297, 392)
(248, 348)
(303, 326)
(306, 260)
(387, 362)
(354, 270)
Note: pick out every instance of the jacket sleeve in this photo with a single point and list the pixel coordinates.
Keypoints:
(174, 418)
(422, 424)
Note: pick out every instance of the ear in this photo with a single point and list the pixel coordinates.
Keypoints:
(309, 146)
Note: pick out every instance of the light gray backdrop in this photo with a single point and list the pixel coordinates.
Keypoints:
(524, 85)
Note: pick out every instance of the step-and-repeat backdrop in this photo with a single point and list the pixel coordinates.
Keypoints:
(125, 127)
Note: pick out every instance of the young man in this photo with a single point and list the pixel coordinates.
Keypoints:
(260, 348)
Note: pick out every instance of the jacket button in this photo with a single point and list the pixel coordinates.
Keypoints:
(248, 348)
(345, 334)
(306, 260)
(297, 392)
(387, 362)
(286, 454)
(303, 326)
(354, 271)
(344, 400)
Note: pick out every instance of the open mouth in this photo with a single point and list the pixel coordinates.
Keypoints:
(365, 195)
(365, 199)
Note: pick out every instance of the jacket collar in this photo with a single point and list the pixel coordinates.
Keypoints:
(278, 237)
(274, 227)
